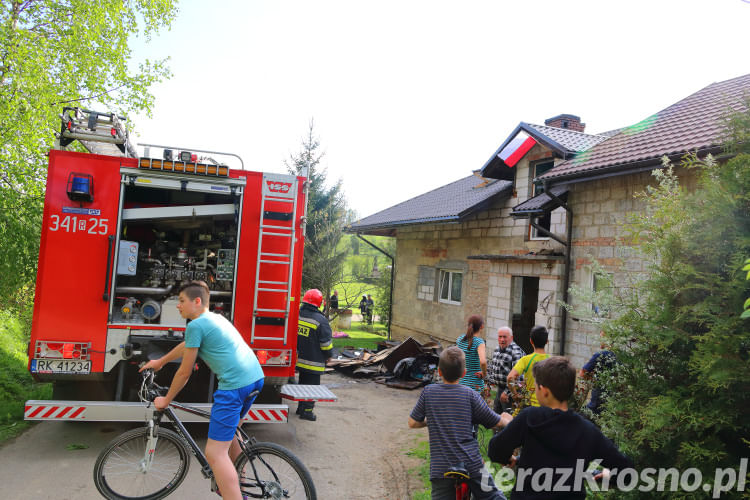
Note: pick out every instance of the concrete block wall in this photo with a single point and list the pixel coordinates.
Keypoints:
(600, 214)
(447, 246)
(485, 289)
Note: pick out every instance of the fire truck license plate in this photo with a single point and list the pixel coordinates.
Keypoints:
(60, 366)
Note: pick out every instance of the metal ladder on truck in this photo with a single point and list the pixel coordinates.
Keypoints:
(276, 241)
(99, 132)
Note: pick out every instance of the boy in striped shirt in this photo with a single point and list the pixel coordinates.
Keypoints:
(449, 410)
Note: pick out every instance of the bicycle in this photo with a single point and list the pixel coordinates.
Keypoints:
(460, 476)
(150, 463)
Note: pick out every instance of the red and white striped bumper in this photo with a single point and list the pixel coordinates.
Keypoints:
(54, 412)
(111, 411)
(267, 415)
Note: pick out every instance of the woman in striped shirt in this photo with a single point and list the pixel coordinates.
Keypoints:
(472, 344)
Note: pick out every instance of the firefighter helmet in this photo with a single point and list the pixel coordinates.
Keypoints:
(313, 296)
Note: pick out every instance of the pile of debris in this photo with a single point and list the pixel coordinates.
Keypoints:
(405, 365)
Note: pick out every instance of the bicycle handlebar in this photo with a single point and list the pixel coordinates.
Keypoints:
(150, 390)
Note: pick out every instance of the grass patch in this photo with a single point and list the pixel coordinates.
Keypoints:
(362, 335)
(358, 338)
(422, 451)
(16, 384)
(357, 343)
(76, 446)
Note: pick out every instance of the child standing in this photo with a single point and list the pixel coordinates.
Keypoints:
(553, 438)
(449, 410)
(525, 365)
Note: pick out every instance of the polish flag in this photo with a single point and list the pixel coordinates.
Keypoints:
(514, 151)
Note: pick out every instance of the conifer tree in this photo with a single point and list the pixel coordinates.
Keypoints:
(326, 212)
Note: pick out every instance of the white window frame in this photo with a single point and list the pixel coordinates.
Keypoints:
(451, 273)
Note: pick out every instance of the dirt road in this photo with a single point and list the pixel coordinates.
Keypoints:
(356, 449)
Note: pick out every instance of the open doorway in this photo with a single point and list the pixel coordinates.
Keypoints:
(525, 293)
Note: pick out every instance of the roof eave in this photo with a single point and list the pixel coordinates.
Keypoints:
(623, 168)
(525, 214)
(366, 229)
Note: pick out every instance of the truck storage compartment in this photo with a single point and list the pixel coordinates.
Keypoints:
(169, 237)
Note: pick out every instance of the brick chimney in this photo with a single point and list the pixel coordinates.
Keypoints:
(571, 122)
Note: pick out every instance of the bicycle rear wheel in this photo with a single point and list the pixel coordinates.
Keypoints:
(272, 471)
(121, 471)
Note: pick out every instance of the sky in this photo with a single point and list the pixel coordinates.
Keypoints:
(409, 95)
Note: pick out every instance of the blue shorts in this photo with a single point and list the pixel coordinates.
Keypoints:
(228, 408)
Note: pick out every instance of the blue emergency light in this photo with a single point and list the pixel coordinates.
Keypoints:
(80, 187)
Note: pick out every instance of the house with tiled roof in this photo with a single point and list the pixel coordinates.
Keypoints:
(509, 240)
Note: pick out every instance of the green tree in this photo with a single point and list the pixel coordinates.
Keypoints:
(326, 212)
(55, 53)
(679, 396)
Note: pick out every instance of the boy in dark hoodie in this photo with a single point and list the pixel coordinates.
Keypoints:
(556, 442)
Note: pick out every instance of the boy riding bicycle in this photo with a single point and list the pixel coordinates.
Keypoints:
(220, 345)
(449, 410)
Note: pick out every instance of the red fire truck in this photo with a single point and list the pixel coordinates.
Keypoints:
(121, 233)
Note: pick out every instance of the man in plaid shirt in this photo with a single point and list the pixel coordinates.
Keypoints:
(503, 359)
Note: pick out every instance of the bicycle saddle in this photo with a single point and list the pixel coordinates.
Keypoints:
(457, 472)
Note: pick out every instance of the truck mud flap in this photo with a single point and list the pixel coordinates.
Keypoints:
(318, 393)
(107, 411)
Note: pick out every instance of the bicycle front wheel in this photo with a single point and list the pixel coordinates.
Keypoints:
(272, 471)
(122, 470)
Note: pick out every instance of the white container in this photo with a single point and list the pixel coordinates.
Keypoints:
(170, 316)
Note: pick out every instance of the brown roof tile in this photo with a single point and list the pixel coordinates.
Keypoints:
(694, 123)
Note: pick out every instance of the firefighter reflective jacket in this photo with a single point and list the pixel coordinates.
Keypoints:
(313, 339)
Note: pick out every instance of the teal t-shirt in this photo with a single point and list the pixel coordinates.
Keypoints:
(221, 346)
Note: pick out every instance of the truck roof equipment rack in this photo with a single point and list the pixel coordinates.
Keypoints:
(98, 132)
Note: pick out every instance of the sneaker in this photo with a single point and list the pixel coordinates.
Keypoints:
(308, 415)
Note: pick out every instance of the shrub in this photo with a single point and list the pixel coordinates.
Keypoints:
(679, 394)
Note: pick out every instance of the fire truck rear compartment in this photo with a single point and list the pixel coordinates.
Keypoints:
(168, 238)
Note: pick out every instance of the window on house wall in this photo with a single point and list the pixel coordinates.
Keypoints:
(450, 286)
(426, 283)
(602, 287)
(537, 189)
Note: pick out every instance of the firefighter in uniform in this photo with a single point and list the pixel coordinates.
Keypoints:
(314, 345)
